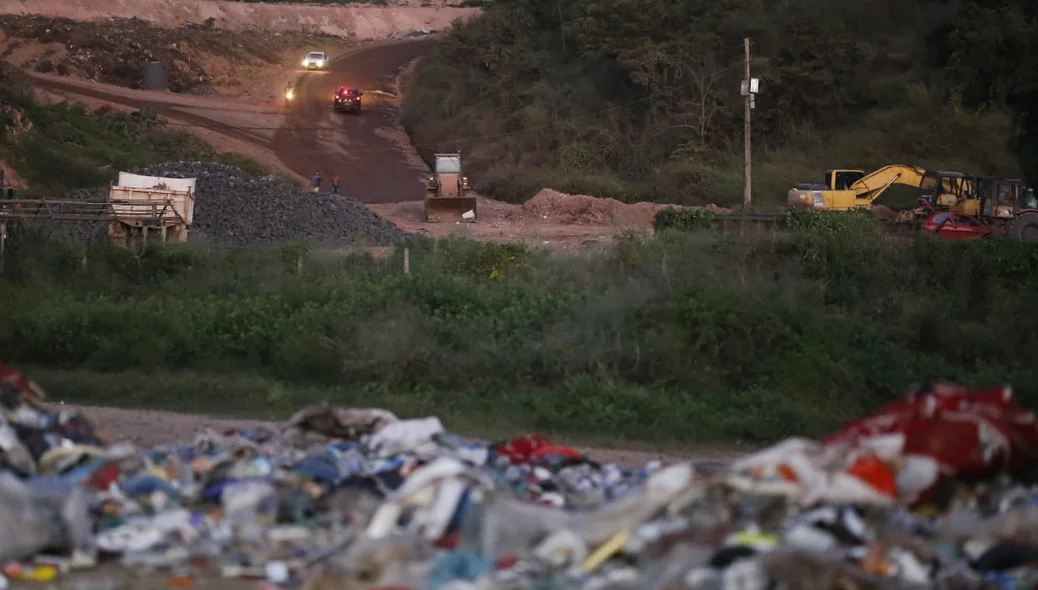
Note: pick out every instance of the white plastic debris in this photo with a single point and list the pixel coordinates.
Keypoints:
(405, 436)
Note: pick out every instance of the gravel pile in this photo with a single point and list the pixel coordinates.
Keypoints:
(238, 209)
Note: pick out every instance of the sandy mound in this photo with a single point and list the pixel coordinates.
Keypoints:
(555, 207)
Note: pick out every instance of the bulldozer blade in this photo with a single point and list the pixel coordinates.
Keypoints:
(448, 209)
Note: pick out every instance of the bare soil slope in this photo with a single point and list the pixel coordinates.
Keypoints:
(199, 59)
(359, 21)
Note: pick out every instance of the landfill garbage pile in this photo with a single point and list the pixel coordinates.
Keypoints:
(235, 208)
(930, 492)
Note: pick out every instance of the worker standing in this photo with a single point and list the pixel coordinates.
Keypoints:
(317, 181)
(335, 184)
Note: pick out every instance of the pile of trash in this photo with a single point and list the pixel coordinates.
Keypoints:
(932, 491)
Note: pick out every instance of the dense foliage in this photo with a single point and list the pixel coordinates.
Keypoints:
(640, 99)
(691, 336)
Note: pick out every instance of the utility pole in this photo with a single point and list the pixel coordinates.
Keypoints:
(749, 89)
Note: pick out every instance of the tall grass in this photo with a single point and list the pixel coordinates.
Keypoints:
(685, 337)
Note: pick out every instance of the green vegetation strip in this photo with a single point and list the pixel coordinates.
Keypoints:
(689, 337)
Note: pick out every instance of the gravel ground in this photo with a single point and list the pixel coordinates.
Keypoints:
(238, 209)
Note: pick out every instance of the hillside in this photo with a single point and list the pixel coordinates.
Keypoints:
(59, 146)
(640, 100)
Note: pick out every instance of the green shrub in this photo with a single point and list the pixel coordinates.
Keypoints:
(860, 221)
(683, 219)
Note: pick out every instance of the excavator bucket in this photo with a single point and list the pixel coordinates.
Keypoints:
(447, 195)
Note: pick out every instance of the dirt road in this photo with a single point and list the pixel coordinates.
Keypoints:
(373, 158)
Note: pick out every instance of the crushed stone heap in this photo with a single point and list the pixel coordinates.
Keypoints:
(234, 208)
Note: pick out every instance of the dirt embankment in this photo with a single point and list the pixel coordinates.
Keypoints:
(355, 21)
(199, 59)
(553, 206)
(551, 219)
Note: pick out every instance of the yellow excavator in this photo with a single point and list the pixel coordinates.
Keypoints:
(852, 189)
(1007, 204)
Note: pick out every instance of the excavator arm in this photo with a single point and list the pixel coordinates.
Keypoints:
(859, 194)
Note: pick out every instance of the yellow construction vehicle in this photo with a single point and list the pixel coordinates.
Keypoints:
(950, 191)
(852, 189)
(447, 193)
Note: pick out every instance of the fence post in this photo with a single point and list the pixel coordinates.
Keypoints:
(3, 245)
(407, 261)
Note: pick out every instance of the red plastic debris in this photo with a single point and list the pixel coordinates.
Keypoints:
(21, 384)
(970, 433)
(550, 450)
(449, 541)
(534, 448)
(520, 450)
(876, 473)
(103, 478)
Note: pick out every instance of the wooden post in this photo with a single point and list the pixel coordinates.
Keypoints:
(747, 193)
(3, 245)
(407, 261)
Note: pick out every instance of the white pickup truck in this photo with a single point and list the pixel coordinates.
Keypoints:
(316, 60)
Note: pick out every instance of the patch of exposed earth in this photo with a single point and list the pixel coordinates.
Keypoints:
(199, 59)
(551, 219)
(396, 18)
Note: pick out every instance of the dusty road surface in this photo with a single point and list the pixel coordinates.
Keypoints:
(371, 155)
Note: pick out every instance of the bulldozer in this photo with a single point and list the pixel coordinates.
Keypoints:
(852, 189)
(447, 192)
